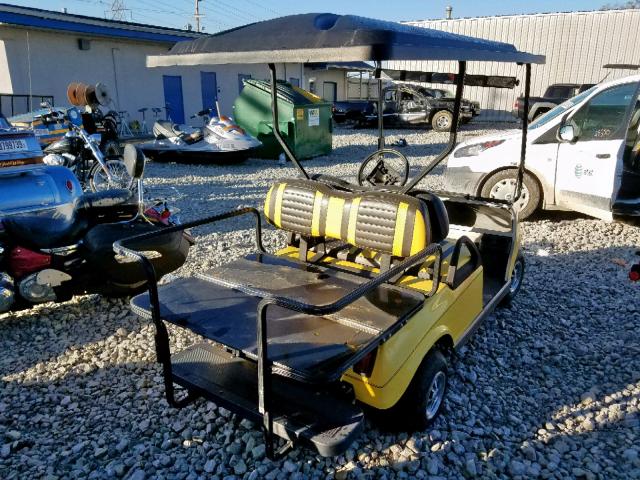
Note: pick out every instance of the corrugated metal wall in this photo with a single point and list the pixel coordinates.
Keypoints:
(576, 45)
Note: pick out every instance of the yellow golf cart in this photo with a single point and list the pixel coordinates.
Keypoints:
(380, 280)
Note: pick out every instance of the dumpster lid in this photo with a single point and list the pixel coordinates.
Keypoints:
(327, 37)
(286, 92)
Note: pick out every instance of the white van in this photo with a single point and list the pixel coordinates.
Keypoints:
(583, 155)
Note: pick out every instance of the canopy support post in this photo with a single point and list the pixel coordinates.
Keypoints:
(453, 133)
(378, 75)
(525, 128)
(276, 125)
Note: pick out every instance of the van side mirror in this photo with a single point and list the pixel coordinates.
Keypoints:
(567, 133)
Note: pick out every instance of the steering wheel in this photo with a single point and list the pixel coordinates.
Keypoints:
(384, 167)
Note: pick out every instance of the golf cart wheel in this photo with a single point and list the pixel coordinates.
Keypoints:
(424, 398)
(98, 180)
(502, 185)
(442, 121)
(517, 277)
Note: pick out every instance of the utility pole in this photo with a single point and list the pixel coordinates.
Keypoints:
(197, 15)
(118, 11)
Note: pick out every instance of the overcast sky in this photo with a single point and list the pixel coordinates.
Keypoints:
(222, 14)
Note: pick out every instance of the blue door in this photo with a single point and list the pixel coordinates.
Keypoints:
(173, 101)
(209, 86)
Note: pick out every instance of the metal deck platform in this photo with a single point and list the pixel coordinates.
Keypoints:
(323, 419)
(309, 348)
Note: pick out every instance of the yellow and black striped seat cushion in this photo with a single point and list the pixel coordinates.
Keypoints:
(390, 223)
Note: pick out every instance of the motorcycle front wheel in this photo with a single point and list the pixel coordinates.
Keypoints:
(98, 180)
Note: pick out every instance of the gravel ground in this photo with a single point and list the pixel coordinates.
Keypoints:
(549, 388)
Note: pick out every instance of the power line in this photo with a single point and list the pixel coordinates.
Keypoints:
(119, 11)
(264, 7)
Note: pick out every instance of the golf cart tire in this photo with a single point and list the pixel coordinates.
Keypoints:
(508, 298)
(410, 413)
(439, 117)
(535, 195)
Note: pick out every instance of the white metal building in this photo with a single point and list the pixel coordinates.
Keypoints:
(42, 51)
(576, 45)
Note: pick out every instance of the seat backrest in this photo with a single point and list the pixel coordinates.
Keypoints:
(390, 223)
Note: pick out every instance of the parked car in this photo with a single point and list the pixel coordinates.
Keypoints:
(583, 155)
(407, 104)
(352, 110)
(553, 96)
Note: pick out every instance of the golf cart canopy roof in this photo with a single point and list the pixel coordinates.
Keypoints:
(326, 37)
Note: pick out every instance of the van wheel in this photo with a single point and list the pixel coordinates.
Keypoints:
(501, 185)
(442, 121)
(517, 277)
(423, 400)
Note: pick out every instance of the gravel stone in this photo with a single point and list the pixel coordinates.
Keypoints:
(210, 466)
(546, 388)
(240, 468)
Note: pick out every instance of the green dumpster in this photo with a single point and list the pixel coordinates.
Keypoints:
(305, 119)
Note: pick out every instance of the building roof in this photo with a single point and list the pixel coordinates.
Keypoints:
(80, 24)
(351, 66)
(521, 15)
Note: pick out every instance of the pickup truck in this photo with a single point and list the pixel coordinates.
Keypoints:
(352, 110)
(553, 96)
(409, 105)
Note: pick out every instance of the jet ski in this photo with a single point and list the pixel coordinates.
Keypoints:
(219, 141)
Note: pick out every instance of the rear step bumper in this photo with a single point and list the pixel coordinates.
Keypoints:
(324, 419)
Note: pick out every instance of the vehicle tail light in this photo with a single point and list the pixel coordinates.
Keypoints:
(634, 273)
(23, 261)
(516, 105)
(365, 366)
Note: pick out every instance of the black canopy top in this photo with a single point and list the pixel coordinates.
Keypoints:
(326, 37)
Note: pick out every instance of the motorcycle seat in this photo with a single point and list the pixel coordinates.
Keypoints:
(104, 199)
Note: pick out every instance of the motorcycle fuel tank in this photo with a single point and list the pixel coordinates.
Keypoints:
(38, 203)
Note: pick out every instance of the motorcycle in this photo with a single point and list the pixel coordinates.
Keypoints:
(81, 153)
(219, 141)
(56, 241)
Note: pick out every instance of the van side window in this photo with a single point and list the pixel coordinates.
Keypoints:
(603, 117)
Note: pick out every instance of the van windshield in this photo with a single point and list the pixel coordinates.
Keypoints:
(560, 109)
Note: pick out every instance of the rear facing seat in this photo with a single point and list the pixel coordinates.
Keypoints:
(393, 224)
